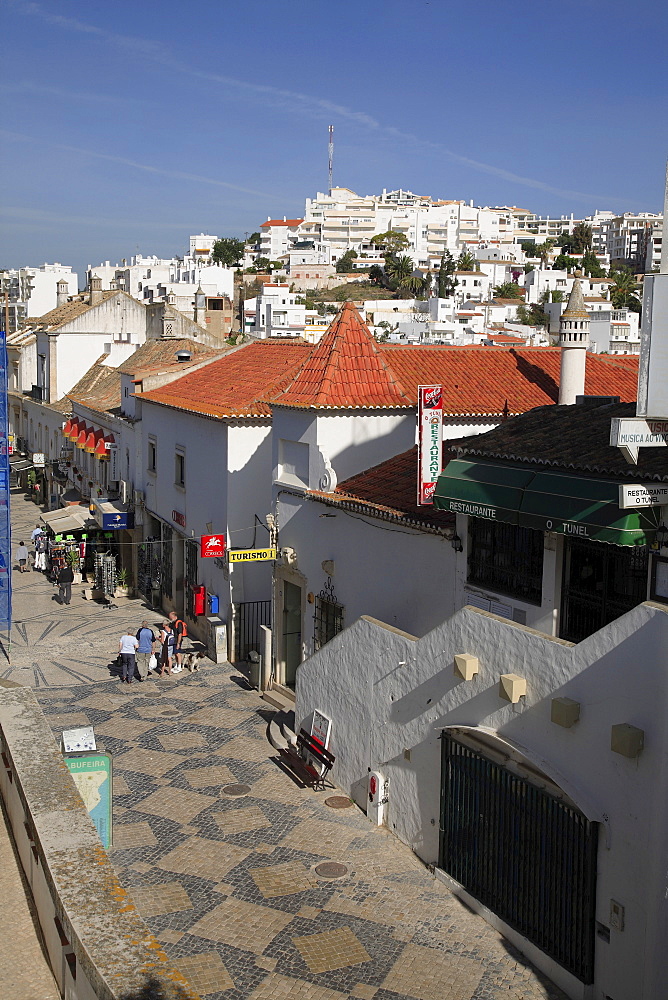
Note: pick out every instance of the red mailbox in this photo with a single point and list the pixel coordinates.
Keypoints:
(199, 601)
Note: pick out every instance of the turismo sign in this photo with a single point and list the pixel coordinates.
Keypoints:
(430, 437)
(252, 555)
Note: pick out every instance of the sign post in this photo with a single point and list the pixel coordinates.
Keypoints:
(252, 555)
(92, 776)
(430, 440)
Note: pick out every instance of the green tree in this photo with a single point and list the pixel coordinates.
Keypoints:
(467, 262)
(345, 263)
(562, 262)
(262, 264)
(446, 276)
(508, 290)
(542, 251)
(578, 241)
(529, 247)
(533, 315)
(557, 295)
(624, 291)
(253, 239)
(228, 251)
(376, 275)
(390, 242)
(591, 266)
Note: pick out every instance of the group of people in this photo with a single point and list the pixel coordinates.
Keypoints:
(38, 539)
(136, 649)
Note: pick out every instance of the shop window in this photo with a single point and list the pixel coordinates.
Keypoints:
(601, 583)
(659, 591)
(506, 558)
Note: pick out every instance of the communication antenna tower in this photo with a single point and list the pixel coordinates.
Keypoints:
(331, 156)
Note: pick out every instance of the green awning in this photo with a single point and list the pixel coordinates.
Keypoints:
(571, 505)
(482, 490)
(584, 508)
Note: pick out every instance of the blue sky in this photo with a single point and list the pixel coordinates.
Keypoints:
(127, 126)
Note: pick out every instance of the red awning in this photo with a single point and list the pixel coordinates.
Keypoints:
(84, 431)
(101, 448)
(92, 440)
(66, 429)
(73, 432)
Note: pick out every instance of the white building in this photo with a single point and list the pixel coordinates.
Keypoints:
(34, 291)
(278, 313)
(277, 236)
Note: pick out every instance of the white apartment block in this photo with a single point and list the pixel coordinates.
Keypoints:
(201, 247)
(277, 237)
(614, 331)
(34, 291)
(277, 313)
(152, 278)
(636, 240)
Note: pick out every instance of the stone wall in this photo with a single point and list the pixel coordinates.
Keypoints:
(98, 946)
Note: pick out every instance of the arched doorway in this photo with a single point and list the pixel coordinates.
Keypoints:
(517, 843)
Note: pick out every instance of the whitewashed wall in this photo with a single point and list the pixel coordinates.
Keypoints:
(386, 692)
(404, 576)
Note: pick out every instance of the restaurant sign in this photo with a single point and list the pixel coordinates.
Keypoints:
(430, 437)
(642, 495)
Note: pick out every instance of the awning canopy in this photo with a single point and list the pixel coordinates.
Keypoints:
(20, 465)
(482, 490)
(546, 501)
(67, 519)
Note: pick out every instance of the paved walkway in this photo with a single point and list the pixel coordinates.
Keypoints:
(24, 971)
(229, 883)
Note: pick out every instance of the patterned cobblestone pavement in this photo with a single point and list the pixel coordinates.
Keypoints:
(228, 884)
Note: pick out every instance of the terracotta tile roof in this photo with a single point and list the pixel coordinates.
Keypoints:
(281, 222)
(235, 385)
(100, 387)
(573, 438)
(345, 370)
(505, 338)
(480, 380)
(389, 491)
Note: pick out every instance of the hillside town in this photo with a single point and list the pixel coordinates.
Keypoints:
(394, 464)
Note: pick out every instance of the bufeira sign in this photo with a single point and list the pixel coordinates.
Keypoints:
(252, 555)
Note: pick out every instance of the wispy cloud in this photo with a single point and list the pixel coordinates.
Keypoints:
(146, 167)
(297, 103)
(62, 94)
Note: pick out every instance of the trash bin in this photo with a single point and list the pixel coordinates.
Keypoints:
(254, 665)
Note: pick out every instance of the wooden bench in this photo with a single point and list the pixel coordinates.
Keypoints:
(311, 772)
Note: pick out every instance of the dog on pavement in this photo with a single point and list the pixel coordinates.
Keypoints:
(192, 660)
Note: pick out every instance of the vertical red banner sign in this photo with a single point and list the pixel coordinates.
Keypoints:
(430, 440)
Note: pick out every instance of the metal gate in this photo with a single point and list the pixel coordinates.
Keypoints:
(526, 855)
(248, 617)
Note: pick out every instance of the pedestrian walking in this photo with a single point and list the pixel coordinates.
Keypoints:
(40, 551)
(22, 557)
(146, 640)
(37, 531)
(65, 581)
(127, 646)
(180, 630)
(167, 641)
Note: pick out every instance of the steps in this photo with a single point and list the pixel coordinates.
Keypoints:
(281, 730)
(278, 699)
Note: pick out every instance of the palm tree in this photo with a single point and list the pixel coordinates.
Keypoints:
(507, 290)
(467, 262)
(399, 270)
(624, 291)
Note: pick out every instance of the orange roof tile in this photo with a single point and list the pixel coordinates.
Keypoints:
(389, 491)
(281, 222)
(345, 370)
(236, 384)
(479, 380)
